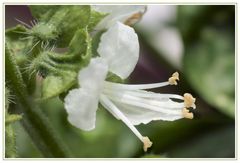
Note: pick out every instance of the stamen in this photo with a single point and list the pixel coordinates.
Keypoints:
(146, 143)
(142, 103)
(173, 80)
(110, 85)
(189, 101)
(145, 94)
(112, 108)
(133, 19)
(187, 114)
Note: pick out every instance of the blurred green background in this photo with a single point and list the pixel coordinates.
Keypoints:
(196, 40)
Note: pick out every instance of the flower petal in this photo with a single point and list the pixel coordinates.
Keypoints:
(119, 46)
(139, 115)
(93, 76)
(81, 106)
(116, 13)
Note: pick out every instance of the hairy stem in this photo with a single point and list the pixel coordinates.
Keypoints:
(34, 121)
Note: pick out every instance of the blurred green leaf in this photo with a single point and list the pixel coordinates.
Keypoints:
(217, 143)
(153, 156)
(208, 34)
(209, 66)
(192, 18)
(25, 150)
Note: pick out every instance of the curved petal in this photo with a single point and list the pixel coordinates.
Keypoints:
(128, 14)
(81, 106)
(119, 46)
(93, 76)
(139, 115)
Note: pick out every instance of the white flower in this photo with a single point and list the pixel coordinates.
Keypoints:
(127, 14)
(119, 52)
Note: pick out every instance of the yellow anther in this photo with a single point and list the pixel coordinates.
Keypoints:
(173, 80)
(187, 114)
(189, 101)
(146, 143)
(133, 19)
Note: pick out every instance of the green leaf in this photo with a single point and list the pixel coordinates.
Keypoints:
(61, 21)
(16, 44)
(95, 18)
(114, 78)
(209, 66)
(95, 42)
(68, 19)
(54, 85)
(60, 70)
(43, 12)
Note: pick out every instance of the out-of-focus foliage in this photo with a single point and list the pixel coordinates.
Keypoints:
(210, 68)
(208, 33)
(208, 145)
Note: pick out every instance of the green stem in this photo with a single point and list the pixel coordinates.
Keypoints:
(34, 121)
(10, 142)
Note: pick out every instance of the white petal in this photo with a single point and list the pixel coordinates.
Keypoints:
(93, 76)
(139, 115)
(119, 46)
(117, 13)
(81, 106)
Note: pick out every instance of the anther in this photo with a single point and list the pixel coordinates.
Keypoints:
(187, 114)
(133, 19)
(173, 80)
(189, 100)
(146, 143)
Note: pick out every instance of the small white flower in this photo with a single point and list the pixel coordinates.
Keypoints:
(119, 52)
(127, 14)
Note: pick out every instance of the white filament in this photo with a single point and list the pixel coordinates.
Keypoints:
(118, 86)
(112, 108)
